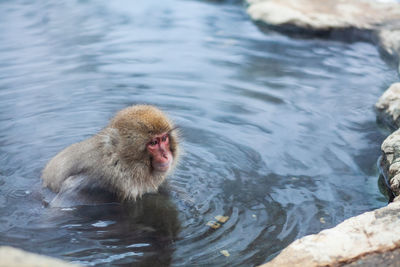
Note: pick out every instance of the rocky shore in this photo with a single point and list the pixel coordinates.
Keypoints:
(367, 20)
(372, 238)
(371, 232)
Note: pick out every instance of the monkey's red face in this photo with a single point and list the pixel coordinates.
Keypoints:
(160, 152)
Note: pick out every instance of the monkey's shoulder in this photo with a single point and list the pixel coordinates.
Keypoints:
(72, 160)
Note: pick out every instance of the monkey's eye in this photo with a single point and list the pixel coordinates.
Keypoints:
(164, 138)
(153, 143)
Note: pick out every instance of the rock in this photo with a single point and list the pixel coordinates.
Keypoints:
(387, 259)
(388, 106)
(370, 20)
(390, 161)
(324, 15)
(389, 43)
(18, 258)
(369, 238)
(371, 232)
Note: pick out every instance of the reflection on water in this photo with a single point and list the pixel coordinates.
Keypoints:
(280, 134)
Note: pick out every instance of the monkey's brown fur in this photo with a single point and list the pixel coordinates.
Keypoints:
(116, 158)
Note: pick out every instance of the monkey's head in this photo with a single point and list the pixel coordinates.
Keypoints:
(146, 136)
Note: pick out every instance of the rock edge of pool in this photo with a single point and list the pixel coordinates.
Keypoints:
(372, 238)
(369, 239)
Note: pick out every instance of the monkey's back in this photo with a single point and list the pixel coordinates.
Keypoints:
(73, 160)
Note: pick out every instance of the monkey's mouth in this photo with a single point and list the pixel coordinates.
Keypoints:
(161, 167)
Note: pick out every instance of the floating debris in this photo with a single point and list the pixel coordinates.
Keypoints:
(213, 225)
(322, 220)
(225, 253)
(254, 216)
(222, 219)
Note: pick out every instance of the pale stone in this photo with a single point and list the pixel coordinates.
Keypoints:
(390, 144)
(388, 106)
(394, 168)
(395, 183)
(390, 161)
(389, 41)
(376, 21)
(371, 232)
(10, 256)
(324, 15)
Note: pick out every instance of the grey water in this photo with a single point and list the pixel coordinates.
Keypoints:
(279, 133)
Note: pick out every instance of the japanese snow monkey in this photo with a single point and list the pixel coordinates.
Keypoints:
(130, 157)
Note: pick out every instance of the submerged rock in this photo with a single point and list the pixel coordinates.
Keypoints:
(371, 232)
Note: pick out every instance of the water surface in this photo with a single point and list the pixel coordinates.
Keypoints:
(279, 133)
